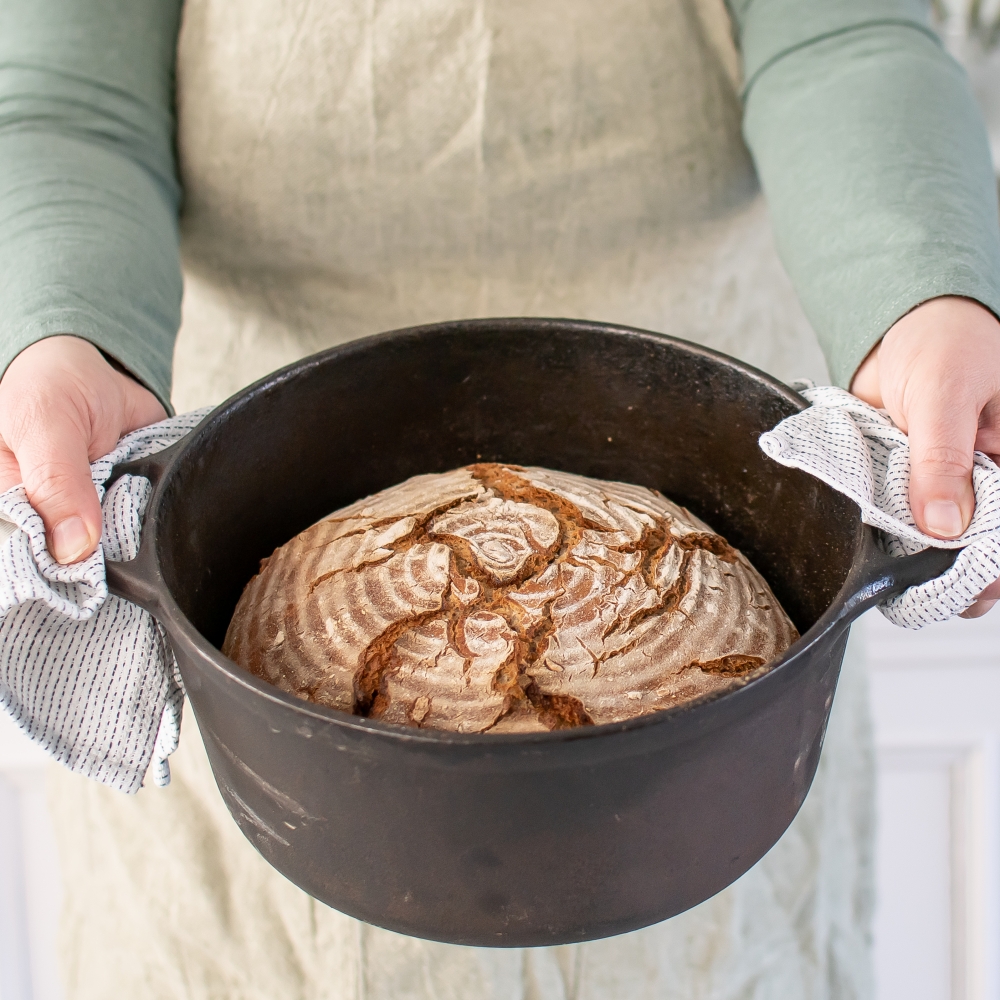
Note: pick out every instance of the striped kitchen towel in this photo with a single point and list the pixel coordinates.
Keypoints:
(860, 452)
(87, 676)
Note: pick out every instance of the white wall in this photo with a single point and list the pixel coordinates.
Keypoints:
(936, 704)
(29, 874)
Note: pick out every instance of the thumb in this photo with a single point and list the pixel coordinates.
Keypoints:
(54, 464)
(942, 435)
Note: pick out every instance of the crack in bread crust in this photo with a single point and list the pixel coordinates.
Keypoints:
(514, 599)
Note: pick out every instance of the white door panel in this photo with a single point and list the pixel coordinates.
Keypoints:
(29, 873)
(936, 705)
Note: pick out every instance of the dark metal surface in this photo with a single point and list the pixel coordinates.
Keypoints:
(505, 839)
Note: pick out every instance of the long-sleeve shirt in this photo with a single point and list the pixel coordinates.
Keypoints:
(864, 132)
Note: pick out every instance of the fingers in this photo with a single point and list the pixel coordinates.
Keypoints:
(942, 435)
(10, 471)
(938, 373)
(988, 438)
(978, 609)
(61, 406)
(984, 602)
(50, 396)
(52, 453)
(865, 384)
(141, 407)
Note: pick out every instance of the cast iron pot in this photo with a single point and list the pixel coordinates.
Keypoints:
(506, 839)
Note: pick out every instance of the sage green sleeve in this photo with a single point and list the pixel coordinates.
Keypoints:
(88, 190)
(875, 163)
(865, 135)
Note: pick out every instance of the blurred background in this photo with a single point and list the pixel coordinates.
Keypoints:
(936, 708)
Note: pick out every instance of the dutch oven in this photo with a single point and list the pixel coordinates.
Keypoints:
(484, 839)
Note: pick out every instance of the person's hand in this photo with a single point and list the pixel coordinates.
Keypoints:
(937, 372)
(62, 406)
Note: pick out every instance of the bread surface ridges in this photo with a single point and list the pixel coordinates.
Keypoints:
(507, 599)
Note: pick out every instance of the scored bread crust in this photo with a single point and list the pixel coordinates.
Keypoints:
(507, 599)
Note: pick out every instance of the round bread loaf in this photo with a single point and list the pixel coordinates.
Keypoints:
(507, 599)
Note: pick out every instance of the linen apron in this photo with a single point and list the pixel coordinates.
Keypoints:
(362, 165)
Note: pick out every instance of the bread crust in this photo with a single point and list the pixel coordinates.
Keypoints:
(499, 598)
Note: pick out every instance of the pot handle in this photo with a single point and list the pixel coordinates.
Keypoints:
(883, 576)
(139, 581)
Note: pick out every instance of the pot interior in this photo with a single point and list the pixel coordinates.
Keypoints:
(597, 400)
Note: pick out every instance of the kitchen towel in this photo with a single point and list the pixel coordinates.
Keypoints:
(859, 451)
(92, 679)
(86, 675)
